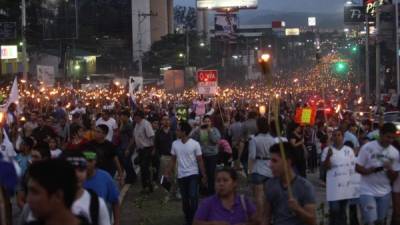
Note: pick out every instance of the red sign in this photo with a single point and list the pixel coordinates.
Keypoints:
(277, 24)
(207, 76)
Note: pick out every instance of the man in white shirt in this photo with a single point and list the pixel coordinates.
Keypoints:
(143, 134)
(110, 122)
(378, 163)
(338, 158)
(187, 153)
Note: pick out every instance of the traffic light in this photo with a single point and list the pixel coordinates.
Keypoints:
(341, 67)
(265, 63)
(354, 49)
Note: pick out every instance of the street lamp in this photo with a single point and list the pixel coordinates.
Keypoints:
(77, 67)
(202, 44)
(181, 55)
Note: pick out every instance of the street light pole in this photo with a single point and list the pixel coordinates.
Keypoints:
(23, 28)
(367, 76)
(397, 49)
(187, 46)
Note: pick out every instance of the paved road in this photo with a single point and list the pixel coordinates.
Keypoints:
(153, 209)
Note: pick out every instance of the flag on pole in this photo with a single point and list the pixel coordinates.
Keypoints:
(13, 97)
(305, 116)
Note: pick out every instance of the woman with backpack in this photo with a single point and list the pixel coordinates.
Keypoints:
(226, 206)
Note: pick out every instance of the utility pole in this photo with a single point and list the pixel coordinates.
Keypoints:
(141, 18)
(23, 28)
(187, 45)
(397, 49)
(367, 76)
(378, 60)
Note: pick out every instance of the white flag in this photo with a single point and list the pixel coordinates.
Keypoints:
(13, 97)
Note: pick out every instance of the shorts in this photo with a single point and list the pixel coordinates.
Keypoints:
(374, 209)
(258, 179)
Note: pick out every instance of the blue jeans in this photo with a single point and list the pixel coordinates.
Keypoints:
(337, 212)
(374, 209)
(210, 164)
(189, 188)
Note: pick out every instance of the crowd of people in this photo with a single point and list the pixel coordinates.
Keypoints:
(66, 166)
(66, 153)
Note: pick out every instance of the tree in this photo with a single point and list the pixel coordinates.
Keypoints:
(185, 17)
(171, 50)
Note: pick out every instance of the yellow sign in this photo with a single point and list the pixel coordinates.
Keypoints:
(292, 31)
(306, 116)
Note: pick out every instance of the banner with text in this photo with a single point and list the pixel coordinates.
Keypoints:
(342, 181)
(207, 82)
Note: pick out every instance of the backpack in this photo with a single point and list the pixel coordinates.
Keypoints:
(94, 207)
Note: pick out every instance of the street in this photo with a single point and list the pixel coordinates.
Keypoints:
(154, 210)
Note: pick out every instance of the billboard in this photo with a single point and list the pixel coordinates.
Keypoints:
(46, 75)
(221, 4)
(312, 21)
(9, 52)
(8, 30)
(292, 32)
(354, 14)
(174, 80)
(278, 24)
(225, 24)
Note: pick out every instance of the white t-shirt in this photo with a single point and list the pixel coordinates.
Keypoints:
(342, 161)
(78, 110)
(55, 153)
(81, 207)
(373, 155)
(143, 134)
(186, 154)
(7, 150)
(111, 124)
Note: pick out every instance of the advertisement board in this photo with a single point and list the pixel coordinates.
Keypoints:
(221, 4)
(225, 24)
(312, 21)
(46, 75)
(174, 80)
(9, 52)
(207, 82)
(354, 14)
(8, 30)
(292, 32)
